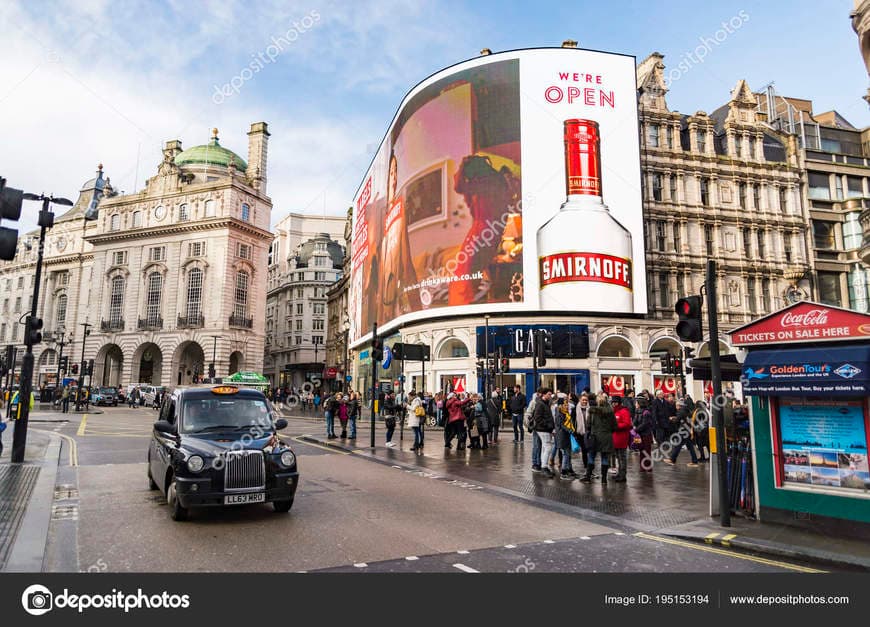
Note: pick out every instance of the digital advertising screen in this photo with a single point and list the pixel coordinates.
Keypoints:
(510, 182)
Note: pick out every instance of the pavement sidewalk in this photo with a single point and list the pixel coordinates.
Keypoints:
(26, 497)
(671, 501)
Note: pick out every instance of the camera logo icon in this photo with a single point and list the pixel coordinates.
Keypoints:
(37, 600)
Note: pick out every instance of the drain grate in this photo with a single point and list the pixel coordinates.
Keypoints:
(65, 491)
(16, 485)
(64, 512)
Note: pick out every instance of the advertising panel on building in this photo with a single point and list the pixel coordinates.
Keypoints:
(511, 183)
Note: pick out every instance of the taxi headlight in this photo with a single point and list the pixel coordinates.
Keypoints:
(195, 463)
(288, 458)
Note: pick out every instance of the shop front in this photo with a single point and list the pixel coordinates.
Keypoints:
(807, 373)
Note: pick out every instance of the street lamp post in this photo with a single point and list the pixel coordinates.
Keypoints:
(31, 331)
(212, 369)
(60, 342)
(81, 381)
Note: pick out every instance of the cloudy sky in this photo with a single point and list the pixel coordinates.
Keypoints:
(89, 81)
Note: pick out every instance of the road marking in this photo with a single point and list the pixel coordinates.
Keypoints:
(73, 447)
(465, 569)
(463, 552)
(361, 565)
(619, 533)
(585, 538)
(325, 448)
(549, 542)
(411, 558)
(82, 425)
(726, 540)
(749, 558)
(710, 537)
(510, 546)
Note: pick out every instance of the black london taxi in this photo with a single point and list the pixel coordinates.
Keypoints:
(218, 445)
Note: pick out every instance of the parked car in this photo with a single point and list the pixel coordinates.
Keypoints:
(217, 445)
(104, 396)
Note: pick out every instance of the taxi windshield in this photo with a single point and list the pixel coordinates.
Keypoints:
(216, 413)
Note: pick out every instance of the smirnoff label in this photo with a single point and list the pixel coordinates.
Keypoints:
(596, 267)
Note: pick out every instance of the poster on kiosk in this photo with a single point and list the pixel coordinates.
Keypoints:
(808, 369)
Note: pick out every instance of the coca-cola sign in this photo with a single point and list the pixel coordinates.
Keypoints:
(812, 318)
(802, 323)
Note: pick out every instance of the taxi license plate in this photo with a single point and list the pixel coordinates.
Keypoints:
(241, 499)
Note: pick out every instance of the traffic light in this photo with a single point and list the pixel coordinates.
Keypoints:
(688, 355)
(676, 365)
(211, 371)
(666, 363)
(543, 346)
(10, 209)
(75, 368)
(64, 363)
(90, 371)
(504, 365)
(479, 366)
(690, 327)
(32, 330)
(377, 349)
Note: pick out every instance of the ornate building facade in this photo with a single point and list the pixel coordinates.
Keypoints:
(169, 279)
(305, 260)
(338, 354)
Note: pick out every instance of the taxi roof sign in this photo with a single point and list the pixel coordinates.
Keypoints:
(225, 389)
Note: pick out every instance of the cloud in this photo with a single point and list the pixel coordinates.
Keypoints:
(97, 81)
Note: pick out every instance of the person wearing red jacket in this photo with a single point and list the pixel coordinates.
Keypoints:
(621, 437)
(455, 421)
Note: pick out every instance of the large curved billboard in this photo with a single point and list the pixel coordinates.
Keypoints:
(510, 182)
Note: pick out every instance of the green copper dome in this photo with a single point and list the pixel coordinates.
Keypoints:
(211, 153)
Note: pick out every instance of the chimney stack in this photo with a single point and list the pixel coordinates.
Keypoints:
(172, 150)
(258, 148)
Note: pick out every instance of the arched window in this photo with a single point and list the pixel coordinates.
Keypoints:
(246, 212)
(183, 214)
(137, 219)
(116, 302)
(615, 346)
(241, 296)
(152, 303)
(60, 317)
(115, 222)
(194, 294)
(209, 208)
(453, 349)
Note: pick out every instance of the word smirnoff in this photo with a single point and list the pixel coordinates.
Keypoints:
(584, 254)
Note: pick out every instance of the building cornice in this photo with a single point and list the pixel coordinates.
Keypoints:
(179, 228)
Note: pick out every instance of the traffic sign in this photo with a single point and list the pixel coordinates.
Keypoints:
(348, 378)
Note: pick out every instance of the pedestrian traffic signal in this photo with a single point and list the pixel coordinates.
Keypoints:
(690, 327)
(688, 354)
(504, 365)
(479, 366)
(32, 330)
(75, 368)
(543, 346)
(665, 361)
(10, 209)
(377, 349)
(211, 371)
(64, 363)
(676, 365)
(90, 371)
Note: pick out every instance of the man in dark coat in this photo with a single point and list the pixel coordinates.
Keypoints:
(493, 415)
(544, 425)
(516, 406)
(602, 424)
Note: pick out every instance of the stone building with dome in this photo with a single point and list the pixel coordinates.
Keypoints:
(168, 279)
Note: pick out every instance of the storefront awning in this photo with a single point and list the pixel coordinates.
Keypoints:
(838, 370)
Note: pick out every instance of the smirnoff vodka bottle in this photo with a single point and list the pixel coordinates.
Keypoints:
(584, 254)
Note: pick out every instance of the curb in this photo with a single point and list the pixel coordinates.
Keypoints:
(766, 547)
(28, 550)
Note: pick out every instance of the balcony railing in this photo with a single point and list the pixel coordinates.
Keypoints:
(107, 326)
(150, 324)
(241, 321)
(191, 322)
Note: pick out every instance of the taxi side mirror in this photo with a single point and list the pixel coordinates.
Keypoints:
(280, 424)
(161, 426)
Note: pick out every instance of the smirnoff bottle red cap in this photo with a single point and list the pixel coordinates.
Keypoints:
(584, 253)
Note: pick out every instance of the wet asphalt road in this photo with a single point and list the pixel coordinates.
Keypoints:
(349, 515)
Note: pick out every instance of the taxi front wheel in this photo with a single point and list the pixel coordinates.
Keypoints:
(176, 511)
(282, 506)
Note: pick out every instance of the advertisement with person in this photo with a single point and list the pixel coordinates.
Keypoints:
(510, 182)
